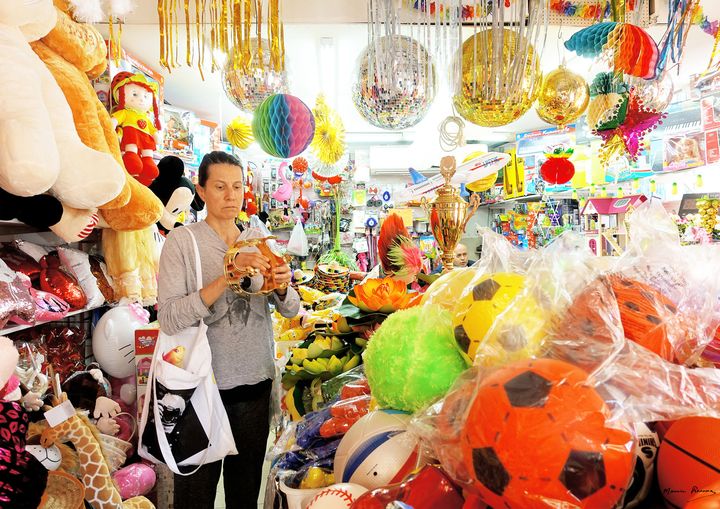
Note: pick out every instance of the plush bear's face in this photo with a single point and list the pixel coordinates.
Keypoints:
(35, 17)
(138, 98)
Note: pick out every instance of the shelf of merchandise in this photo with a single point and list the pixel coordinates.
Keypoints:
(18, 328)
(518, 199)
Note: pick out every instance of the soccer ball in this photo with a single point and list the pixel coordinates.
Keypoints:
(377, 451)
(537, 432)
(497, 322)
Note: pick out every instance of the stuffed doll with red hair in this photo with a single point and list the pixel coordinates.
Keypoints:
(135, 98)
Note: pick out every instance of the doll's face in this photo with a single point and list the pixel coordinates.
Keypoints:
(138, 98)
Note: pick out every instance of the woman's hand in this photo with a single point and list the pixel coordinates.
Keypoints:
(253, 260)
(283, 276)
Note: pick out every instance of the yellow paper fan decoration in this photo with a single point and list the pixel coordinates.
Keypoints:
(239, 132)
(328, 144)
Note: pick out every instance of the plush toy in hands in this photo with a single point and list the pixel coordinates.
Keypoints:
(135, 97)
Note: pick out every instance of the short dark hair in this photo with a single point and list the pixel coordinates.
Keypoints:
(215, 157)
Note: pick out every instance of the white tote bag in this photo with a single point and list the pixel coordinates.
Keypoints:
(184, 424)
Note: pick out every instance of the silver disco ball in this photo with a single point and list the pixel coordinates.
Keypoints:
(247, 90)
(396, 82)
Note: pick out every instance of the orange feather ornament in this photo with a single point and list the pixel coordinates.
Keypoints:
(398, 253)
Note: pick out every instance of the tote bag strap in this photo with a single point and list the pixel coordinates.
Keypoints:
(198, 263)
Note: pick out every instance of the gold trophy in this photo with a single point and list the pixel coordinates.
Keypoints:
(449, 213)
(235, 275)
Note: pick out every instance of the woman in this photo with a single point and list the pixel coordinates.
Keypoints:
(239, 332)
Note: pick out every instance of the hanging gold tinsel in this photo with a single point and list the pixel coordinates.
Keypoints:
(226, 25)
(328, 144)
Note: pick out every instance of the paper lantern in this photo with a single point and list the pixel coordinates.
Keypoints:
(283, 125)
(558, 169)
(632, 50)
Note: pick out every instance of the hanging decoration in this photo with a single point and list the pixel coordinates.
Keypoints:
(239, 132)
(283, 125)
(564, 96)
(497, 70)
(246, 86)
(558, 169)
(628, 48)
(446, 10)
(681, 15)
(655, 94)
(626, 138)
(396, 82)
(328, 144)
(608, 106)
(226, 28)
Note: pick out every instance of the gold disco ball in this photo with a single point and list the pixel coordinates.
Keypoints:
(564, 96)
(247, 89)
(497, 91)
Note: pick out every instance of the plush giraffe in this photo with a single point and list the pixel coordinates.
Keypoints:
(100, 491)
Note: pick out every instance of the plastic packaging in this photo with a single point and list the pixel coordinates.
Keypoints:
(298, 243)
(556, 428)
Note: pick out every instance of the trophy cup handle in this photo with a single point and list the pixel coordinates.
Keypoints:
(471, 208)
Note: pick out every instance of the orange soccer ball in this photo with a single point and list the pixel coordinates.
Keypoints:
(537, 432)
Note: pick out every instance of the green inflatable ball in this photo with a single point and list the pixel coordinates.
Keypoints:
(413, 358)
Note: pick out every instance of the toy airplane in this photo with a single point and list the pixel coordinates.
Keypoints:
(468, 172)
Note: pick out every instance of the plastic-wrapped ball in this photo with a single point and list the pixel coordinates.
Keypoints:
(538, 431)
(413, 358)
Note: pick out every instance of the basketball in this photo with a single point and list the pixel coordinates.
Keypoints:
(376, 451)
(689, 457)
(707, 497)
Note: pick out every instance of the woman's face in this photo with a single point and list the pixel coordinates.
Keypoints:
(224, 191)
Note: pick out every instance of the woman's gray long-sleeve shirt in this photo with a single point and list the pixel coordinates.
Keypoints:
(239, 328)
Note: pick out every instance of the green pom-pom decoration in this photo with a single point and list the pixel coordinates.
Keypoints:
(413, 358)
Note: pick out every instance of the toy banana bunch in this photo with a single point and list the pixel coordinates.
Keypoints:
(708, 210)
(332, 366)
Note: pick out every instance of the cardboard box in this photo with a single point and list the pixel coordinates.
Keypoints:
(681, 152)
(710, 113)
(712, 146)
(145, 340)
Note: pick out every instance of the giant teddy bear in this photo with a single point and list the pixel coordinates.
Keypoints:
(75, 52)
(40, 150)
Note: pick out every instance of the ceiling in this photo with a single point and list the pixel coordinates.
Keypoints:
(343, 23)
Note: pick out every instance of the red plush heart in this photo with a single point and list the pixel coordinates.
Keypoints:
(142, 124)
(19, 261)
(55, 280)
(557, 170)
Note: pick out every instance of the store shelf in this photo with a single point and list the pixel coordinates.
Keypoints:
(18, 328)
(519, 199)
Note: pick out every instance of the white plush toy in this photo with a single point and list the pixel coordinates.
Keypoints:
(40, 149)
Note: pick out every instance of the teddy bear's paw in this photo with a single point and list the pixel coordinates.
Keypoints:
(75, 224)
(88, 178)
